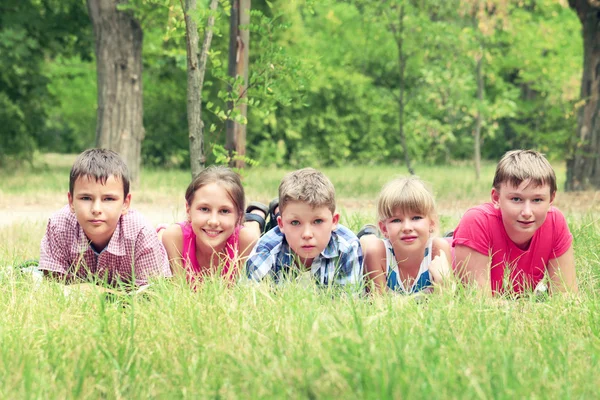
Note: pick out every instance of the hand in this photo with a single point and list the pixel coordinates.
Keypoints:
(440, 268)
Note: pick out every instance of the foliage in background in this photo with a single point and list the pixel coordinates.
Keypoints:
(324, 82)
(31, 34)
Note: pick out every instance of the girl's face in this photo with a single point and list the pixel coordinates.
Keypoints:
(213, 216)
(407, 231)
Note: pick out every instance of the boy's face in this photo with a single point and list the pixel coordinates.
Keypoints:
(307, 229)
(98, 207)
(524, 209)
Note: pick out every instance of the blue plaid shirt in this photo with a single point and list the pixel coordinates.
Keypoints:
(340, 262)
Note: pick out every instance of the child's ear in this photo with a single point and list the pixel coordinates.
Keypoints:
(280, 223)
(495, 195)
(126, 204)
(70, 197)
(187, 212)
(552, 197)
(383, 229)
(336, 219)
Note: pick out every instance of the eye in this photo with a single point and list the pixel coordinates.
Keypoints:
(85, 198)
(295, 223)
(318, 221)
(417, 217)
(203, 209)
(109, 199)
(516, 199)
(538, 200)
(395, 221)
(225, 211)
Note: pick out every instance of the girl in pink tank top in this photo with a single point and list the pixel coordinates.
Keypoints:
(212, 240)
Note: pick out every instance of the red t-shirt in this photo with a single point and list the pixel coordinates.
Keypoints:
(482, 230)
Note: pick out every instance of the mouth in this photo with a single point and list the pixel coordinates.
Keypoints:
(526, 223)
(308, 248)
(96, 221)
(211, 233)
(408, 239)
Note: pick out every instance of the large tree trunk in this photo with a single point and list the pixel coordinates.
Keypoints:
(239, 42)
(583, 165)
(118, 36)
(196, 67)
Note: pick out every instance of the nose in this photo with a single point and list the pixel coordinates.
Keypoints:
(307, 233)
(526, 210)
(96, 208)
(407, 225)
(212, 219)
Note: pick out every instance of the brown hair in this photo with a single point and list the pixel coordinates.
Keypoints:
(100, 164)
(517, 166)
(308, 186)
(226, 178)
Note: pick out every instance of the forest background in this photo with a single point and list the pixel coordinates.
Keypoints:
(325, 80)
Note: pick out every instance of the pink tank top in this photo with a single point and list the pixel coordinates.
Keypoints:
(193, 269)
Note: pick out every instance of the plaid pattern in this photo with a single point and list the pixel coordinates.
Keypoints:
(341, 262)
(134, 248)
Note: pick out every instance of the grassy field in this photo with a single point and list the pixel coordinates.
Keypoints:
(293, 341)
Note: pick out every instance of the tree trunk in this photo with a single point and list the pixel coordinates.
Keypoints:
(583, 164)
(196, 67)
(239, 41)
(479, 120)
(118, 38)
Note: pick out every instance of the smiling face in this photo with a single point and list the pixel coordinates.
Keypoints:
(98, 207)
(524, 209)
(407, 231)
(307, 229)
(213, 216)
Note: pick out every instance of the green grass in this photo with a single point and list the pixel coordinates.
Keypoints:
(252, 341)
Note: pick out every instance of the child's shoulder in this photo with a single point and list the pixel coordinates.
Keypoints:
(344, 237)
(271, 239)
(133, 223)
(64, 219)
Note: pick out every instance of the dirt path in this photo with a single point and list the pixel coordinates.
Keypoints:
(17, 212)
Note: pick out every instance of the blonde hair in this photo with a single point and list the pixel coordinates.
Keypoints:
(517, 166)
(224, 177)
(309, 186)
(407, 195)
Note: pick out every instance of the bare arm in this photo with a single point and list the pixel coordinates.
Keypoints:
(248, 239)
(172, 239)
(374, 263)
(472, 266)
(440, 267)
(561, 271)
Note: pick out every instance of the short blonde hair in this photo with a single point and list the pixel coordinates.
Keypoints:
(407, 195)
(517, 166)
(308, 186)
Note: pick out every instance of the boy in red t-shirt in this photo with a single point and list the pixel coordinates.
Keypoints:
(519, 235)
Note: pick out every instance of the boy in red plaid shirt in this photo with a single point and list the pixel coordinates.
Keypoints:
(96, 237)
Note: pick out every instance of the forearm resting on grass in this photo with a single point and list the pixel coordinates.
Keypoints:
(473, 267)
(374, 264)
(561, 271)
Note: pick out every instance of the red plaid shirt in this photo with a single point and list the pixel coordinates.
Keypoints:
(133, 248)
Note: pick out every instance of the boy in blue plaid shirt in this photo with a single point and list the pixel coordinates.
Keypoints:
(307, 239)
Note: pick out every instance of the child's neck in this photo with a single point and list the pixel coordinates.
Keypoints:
(209, 257)
(409, 264)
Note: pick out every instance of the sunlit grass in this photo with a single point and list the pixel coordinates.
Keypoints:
(254, 341)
